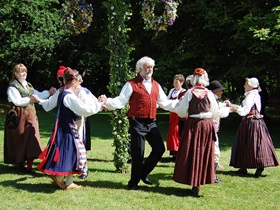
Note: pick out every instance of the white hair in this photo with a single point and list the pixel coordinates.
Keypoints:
(144, 60)
(200, 80)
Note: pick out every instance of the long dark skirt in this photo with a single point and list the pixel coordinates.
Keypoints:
(195, 159)
(253, 146)
(23, 143)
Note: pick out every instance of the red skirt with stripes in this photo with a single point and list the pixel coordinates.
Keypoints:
(195, 159)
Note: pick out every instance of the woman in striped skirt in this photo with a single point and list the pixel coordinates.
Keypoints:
(253, 146)
(195, 159)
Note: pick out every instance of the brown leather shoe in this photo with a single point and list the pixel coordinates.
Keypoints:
(73, 186)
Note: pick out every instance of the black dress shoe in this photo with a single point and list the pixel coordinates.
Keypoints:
(146, 181)
(195, 191)
(83, 176)
(134, 187)
(30, 171)
(242, 171)
(258, 172)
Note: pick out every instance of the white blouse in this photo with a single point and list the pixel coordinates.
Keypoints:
(251, 97)
(173, 93)
(15, 97)
(72, 102)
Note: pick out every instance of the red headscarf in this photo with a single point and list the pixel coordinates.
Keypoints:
(199, 71)
(61, 70)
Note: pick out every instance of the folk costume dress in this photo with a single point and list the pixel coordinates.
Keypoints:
(23, 142)
(253, 146)
(195, 158)
(173, 137)
(65, 153)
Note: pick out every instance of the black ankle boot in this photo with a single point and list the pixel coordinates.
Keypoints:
(195, 191)
(258, 172)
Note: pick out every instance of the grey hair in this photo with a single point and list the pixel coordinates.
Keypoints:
(144, 60)
(189, 81)
(200, 80)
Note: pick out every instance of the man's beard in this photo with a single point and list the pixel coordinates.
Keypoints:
(147, 75)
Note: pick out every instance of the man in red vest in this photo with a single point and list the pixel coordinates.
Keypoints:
(144, 95)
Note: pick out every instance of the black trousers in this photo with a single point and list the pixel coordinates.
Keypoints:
(141, 130)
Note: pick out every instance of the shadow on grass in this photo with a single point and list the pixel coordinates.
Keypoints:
(236, 174)
(180, 192)
(39, 187)
(30, 187)
(100, 160)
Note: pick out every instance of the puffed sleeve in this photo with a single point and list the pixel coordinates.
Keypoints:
(182, 108)
(15, 97)
(214, 108)
(43, 95)
(51, 102)
(72, 102)
(247, 104)
(121, 100)
(164, 103)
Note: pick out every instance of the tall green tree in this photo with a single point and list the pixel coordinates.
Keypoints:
(30, 30)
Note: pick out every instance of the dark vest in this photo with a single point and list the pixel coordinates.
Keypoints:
(22, 91)
(142, 104)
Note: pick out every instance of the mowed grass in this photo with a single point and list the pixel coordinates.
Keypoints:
(106, 189)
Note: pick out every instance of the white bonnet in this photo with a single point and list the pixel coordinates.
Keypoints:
(253, 82)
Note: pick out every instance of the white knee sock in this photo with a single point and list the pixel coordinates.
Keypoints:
(69, 179)
(59, 178)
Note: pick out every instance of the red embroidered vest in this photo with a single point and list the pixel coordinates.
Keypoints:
(142, 104)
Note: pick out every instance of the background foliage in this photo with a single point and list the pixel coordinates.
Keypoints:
(230, 39)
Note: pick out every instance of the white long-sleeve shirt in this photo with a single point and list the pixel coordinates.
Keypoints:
(251, 97)
(127, 90)
(72, 102)
(15, 97)
(224, 110)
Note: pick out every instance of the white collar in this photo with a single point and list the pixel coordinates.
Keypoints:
(24, 83)
(254, 91)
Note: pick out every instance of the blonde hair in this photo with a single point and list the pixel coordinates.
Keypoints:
(19, 67)
(78, 76)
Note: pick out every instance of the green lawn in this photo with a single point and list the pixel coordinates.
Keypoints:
(106, 189)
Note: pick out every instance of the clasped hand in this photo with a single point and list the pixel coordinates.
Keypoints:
(102, 99)
(34, 99)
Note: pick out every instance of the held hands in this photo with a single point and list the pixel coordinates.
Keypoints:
(52, 91)
(102, 99)
(233, 107)
(34, 99)
(227, 102)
